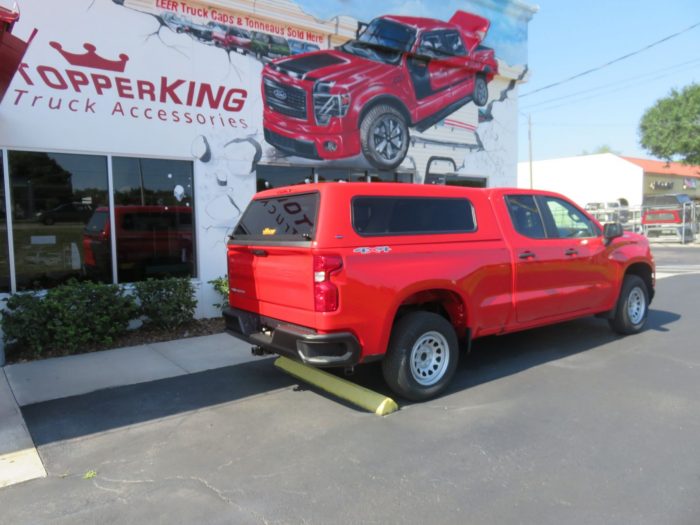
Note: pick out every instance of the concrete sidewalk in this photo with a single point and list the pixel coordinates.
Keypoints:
(28, 383)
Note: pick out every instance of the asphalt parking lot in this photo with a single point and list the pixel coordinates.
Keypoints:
(565, 424)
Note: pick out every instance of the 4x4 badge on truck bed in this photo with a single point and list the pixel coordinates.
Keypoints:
(377, 249)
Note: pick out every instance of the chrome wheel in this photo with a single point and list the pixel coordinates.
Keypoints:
(388, 138)
(636, 305)
(481, 91)
(429, 358)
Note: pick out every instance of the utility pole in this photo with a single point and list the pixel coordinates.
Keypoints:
(529, 143)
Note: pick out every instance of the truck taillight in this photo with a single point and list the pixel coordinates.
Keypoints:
(325, 292)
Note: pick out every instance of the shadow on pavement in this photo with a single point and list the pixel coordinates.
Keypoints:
(72, 417)
(491, 358)
(495, 357)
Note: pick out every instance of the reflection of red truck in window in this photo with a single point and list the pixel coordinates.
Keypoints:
(362, 97)
(151, 241)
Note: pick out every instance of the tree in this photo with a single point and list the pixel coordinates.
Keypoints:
(603, 148)
(670, 129)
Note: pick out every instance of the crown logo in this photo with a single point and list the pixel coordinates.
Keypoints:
(91, 59)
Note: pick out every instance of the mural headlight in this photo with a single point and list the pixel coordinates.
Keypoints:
(327, 104)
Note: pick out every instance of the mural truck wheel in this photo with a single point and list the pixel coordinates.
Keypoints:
(481, 91)
(384, 137)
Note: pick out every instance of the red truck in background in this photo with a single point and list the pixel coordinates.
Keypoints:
(152, 241)
(363, 96)
(341, 274)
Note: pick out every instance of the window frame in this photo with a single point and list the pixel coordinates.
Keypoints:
(551, 224)
(539, 214)
(448, 32)
(4, 154)
(405, 234)
(546, 217)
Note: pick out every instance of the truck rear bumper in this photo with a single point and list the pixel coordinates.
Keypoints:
(297, 342)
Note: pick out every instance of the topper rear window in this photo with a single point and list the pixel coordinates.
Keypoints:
(411, 215)
(284, 218)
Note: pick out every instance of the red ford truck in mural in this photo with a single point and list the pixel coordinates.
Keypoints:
(363, 96)
(340, 274)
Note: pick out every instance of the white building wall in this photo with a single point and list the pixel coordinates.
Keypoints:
(60, 104)
(587, 178)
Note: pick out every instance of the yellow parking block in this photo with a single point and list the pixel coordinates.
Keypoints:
(355, 394)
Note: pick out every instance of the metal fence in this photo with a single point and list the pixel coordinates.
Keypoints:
(678, 224)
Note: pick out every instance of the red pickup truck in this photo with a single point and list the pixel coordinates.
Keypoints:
(340, 274)
(363, 96)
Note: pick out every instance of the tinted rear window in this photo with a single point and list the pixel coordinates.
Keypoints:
(292, 217)
(411, 215)
(97, 222)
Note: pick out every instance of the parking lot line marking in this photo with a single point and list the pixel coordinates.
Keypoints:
(339, 387)
(23, 465)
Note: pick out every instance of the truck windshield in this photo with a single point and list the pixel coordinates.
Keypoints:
(383, 41)
(285, 218)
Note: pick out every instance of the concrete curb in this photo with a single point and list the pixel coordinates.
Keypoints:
(342, 388)
(19, 459)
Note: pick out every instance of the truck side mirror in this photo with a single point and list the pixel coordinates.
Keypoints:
(361, 26)
(612, 230)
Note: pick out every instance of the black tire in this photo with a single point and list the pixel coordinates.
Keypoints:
(428, 339)
(632, 308)
(481, 91)
(384, 137)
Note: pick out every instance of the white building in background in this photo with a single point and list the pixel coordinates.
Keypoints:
(587, 178)
(610, 178)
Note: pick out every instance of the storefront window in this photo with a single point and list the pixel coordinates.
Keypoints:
(4, 255)
(277, 176)
(154, 211)
(391, 176)
(54, 197)
(338, 175)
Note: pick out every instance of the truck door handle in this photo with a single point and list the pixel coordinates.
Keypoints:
(571, 251)
(259, 253)
(527, 255)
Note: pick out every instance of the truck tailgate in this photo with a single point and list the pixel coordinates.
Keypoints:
(275, 275)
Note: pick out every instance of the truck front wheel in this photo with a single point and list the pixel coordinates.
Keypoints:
(384, 137)
(632, 308)
(422, 356)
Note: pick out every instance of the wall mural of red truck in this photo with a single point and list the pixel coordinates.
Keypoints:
(362, 97)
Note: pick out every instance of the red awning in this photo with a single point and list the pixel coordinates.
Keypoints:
(7, 18)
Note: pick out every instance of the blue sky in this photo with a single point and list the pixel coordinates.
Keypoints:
(567, 37)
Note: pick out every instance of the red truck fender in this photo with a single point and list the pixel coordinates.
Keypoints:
(445, 293)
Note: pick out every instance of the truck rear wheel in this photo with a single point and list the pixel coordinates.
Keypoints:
(481, 91)
(422, 356)
(632, 306)
(384, 137)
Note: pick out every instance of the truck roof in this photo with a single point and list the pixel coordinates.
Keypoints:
(397, 189)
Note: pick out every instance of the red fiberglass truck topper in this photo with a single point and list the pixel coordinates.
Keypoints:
(341, 274)
(362, 97)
